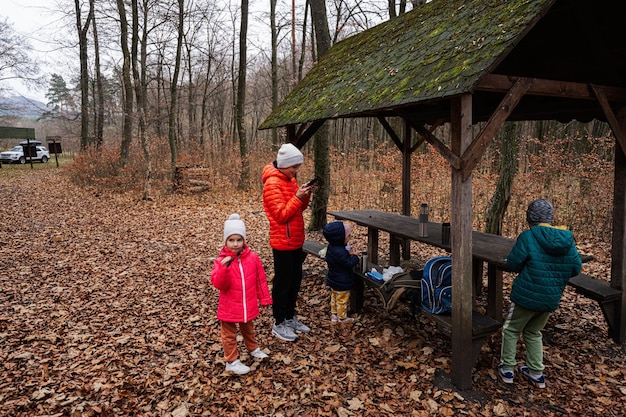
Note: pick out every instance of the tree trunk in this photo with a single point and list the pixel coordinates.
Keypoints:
(244, 177)
(127, 106)
(171, 131)
(84, 72)
(274, 69)
(509, 144)
(139, 79)
(319, 204)
(99, 92)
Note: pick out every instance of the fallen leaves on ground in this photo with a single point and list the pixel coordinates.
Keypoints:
(106, 309)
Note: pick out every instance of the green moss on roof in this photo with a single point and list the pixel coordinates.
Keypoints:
(438, 50)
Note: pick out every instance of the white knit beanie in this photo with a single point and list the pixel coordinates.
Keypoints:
(288, 156)
(234, 226)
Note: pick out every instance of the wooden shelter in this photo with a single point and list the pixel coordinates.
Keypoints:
(468, 61)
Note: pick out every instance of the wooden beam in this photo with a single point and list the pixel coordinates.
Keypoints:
(392, 133)
(475, 151)
(303, 135)
(461, 234)
(443, 150)
(420, 139)
(541, 87)
(610, 116)
(291, 133)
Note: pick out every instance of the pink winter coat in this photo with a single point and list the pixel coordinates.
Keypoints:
(242, 285)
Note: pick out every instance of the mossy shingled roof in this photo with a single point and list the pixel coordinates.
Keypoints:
(435, 51)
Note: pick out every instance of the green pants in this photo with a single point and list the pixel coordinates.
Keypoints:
(529, 324)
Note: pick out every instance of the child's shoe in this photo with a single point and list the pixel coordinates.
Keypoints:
(258, 354)
(538, 380)
(334, 318)
(505, 376)
(346, 320)
(237, 367)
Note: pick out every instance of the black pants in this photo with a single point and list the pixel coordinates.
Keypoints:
(287, 280)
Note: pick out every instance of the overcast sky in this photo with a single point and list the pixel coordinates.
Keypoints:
(42, 24)
(34, 20)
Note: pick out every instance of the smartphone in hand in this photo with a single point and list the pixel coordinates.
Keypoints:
(312, 182)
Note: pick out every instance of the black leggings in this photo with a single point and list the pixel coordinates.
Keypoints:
(287, 280)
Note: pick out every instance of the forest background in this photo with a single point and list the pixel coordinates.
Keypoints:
(159, 86)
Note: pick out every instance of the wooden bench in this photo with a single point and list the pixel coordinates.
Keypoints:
(313, 247)
(608, 298)
(482, 327)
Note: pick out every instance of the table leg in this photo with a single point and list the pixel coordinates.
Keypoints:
(477, 280)
(406, 249)
(394, 250)
(477, 274)
(357, 294)
(372, 245)
(494, 292)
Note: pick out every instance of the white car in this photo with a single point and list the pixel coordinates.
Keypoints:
(16, 154)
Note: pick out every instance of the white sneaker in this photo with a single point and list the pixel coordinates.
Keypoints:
(258, 354)
(237, 367)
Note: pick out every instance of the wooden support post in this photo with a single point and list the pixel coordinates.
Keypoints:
(461, 232)
(372, 244)
(394, 250)
(618, 250)
(494, 291)
(406, 184)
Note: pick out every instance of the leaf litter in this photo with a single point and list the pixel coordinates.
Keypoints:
(106, 309)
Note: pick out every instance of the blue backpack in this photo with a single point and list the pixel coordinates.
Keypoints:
(437, 285)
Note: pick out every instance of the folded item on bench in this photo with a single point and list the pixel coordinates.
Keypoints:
(375, 275)
(388, 273)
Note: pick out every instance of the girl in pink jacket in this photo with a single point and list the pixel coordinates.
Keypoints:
(239, 276)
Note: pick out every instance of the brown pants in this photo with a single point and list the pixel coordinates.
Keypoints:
(229, 338)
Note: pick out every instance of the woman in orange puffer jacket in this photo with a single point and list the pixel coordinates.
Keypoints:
(284, 203)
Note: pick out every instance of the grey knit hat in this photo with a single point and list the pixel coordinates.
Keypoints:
(540, 211)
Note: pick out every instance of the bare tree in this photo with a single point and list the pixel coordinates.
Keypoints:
(127, 106)
(171, 135)
(274, 66)
(244, 177)
(84, 71)
(98, 90)
(138, 60)
(508, 143)
(15, 63)
(322, 137)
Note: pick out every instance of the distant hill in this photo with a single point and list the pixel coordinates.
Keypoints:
(23, 107)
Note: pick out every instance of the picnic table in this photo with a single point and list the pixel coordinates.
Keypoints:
(486, 247)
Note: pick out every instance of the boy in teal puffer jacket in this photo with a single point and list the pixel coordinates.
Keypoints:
(545, 258)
